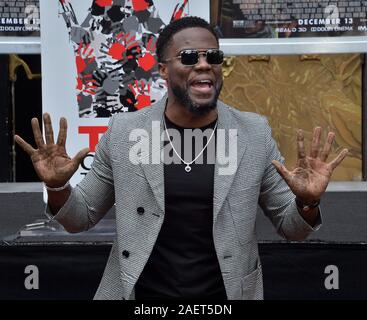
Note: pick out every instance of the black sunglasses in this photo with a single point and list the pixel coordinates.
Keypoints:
(190, 57)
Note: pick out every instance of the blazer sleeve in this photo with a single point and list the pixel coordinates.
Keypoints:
(91, 199)
(277, 200)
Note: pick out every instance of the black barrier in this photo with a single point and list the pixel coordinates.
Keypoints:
(292, 271)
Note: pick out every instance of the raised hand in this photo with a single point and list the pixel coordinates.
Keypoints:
(51, 162)
(309, 180)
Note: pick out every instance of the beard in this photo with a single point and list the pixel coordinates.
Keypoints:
(195, 108)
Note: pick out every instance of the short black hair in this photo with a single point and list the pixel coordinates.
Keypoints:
(166, 34)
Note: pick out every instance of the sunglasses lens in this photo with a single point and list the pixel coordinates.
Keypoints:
(214, 56)
(189, 57)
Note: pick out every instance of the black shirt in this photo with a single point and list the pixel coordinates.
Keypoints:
(183, 263)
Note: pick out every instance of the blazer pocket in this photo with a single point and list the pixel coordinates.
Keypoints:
(243, 207)
(252, 285)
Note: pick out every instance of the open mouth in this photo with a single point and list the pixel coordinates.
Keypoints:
(202, 86)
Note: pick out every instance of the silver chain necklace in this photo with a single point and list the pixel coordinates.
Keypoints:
(188, 164)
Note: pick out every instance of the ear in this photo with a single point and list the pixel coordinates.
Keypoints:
(162, 69)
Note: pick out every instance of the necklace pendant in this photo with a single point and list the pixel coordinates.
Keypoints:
(187, 168)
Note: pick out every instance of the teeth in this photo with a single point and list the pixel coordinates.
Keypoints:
(205, 81)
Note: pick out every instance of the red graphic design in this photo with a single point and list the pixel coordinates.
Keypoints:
(178, 13)
(94, 132)
(84, 58)
(123, 43)
(87, 84)
(148, 61)
(115, 54)
(141, 93)
(104, 3)
(140, 5)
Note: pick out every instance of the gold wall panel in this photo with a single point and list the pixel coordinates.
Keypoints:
(303, 92)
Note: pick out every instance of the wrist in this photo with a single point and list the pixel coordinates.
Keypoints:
(56, 189)
(307, 205)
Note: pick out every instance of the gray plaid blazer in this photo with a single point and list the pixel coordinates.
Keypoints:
(114, 179)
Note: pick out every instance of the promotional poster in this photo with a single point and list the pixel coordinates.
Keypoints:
(98, 59)
(19, 18)
(285, 19)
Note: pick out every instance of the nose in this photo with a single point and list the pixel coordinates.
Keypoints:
(203, 63)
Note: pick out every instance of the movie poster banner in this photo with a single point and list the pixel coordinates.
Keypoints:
(289, 19)
(98, 59)
(20, 18)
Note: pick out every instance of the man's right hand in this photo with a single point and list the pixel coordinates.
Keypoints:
(51, 162)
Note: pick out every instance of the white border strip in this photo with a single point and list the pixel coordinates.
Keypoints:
(32, 45)
(291, 46)
(20, 187)
(337, 186)
(347, 186)
(26, 45)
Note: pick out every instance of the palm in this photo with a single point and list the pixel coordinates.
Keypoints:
(53, 166)
(50, 160)
(310, 178)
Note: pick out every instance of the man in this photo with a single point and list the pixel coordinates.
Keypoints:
(185, 230)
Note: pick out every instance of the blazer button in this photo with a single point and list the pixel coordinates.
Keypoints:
(126, 253)
(140, 210)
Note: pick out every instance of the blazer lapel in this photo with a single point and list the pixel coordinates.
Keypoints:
(154, 170)
(223, 182)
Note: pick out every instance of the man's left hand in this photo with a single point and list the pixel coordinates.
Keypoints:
(309, 180)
